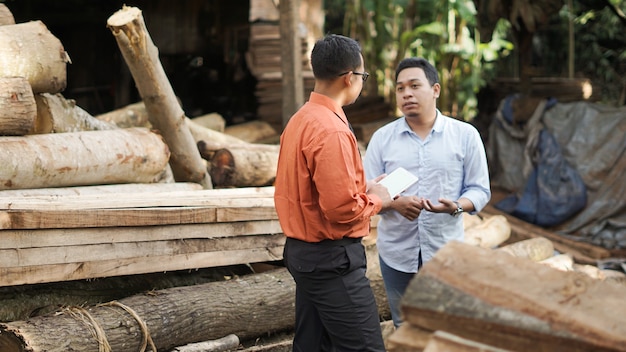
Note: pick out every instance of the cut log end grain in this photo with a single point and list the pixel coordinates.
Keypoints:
(122, 17)
(222, 168)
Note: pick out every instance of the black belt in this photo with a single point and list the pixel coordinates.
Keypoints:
(342, 242)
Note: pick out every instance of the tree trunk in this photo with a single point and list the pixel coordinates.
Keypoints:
(251, 131)
(81, 158)
(30, 50)
(6, 17)
(18, 109)
(164, 111)
(248, 306)
(241, 165)
(55, 114)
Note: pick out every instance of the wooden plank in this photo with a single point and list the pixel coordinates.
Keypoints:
(123, 250)
(408, 337)
(84, 218)
(442, 341)
(175, 199)
(576, 308)
(131, 266)
(42, 238)
(101, 189)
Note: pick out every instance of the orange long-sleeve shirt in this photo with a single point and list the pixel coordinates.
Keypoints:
(320, 188)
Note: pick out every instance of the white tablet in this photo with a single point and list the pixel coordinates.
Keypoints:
(398, 181)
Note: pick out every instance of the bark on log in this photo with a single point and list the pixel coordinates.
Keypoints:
(20, 302)
(18, 110)
(240, 165)
(6, 17)
(30, 50)
(55, 114)
(133, 115)
(490, 233)
(213, 121)
(249, 306)
(164, 111)
(81, 158)
(201, 133)
(514, 303)
(251, 131)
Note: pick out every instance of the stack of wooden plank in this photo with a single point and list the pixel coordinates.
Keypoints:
(69, 237)
(264, 61)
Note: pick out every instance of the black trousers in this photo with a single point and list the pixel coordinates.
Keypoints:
(335, 305)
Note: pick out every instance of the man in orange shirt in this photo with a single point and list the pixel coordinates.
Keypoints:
(324, 205)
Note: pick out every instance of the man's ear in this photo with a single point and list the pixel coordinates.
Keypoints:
(347, 79)
(436, 90)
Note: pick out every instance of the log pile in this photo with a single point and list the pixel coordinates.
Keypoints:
(490, 295)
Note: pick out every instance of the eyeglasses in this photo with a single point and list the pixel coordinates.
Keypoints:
(364, 75)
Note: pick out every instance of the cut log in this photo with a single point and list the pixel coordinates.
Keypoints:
(262, 303)
(241, 165)
(24, 301)
(563, 262)
(470, 220)
(535, 249)
(251, 131)
(201, 133)
(55, 114)
(213, 121)
(18, 109)
(30, 50)
(6, 17)
(520, 230)
(164, 112)
(513, 303)
(490, 233)
(133, 115)
(82, 158)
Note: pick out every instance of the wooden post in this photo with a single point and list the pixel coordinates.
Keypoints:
(291, 61)
(164, 111)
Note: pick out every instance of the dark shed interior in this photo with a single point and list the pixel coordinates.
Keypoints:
(202, 45)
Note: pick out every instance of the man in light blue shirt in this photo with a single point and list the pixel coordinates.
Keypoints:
(447, 156)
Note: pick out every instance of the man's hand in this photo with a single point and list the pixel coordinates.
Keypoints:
(373, 187)
(410, 206)
(444, 206)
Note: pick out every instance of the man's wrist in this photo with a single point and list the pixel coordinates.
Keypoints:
(458, 211)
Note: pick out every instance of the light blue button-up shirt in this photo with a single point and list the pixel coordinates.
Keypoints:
(450, 163)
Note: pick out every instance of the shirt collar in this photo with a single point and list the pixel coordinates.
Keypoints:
(317, 98)
(438, 127)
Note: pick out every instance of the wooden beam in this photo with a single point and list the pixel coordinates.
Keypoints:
(291, 63)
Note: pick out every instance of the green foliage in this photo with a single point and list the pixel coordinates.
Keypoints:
(441, 31)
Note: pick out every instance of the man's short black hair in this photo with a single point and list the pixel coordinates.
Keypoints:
(333, 55)
(429, 70)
